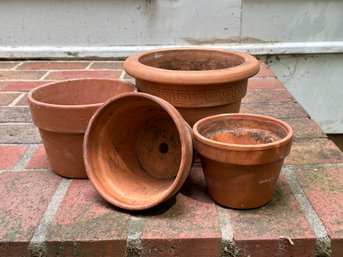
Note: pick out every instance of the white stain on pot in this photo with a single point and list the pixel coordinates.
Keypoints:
(269, 180)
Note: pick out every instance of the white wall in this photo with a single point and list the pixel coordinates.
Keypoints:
(116, 28)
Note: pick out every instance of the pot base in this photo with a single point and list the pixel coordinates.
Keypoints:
(241, 186)
(64, 153)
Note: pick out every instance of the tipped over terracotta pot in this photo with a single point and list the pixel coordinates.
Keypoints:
(199, 82)
(137, 151)
(62, 110)
(242, 156)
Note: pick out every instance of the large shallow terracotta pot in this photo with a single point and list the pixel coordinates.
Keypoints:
(242, 156)
(138, 151)
(199, 82)
(62, 110)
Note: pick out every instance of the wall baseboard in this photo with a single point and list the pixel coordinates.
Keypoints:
(83, 52)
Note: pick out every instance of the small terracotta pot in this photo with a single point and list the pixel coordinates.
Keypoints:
(242, 156)
(137, 151)
(199, 82)
(62, 110)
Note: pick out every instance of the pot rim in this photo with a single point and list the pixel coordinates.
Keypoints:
(242, 147)
(138, 70)
(32, 100)
(186, 146)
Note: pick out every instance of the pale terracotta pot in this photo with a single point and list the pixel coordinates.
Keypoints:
(62, 110)
(199, 82)
(242, 156)
(138, 151)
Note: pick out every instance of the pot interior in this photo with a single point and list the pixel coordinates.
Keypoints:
(191, 60)
(80, 92)
(243, 130)
(135, 149)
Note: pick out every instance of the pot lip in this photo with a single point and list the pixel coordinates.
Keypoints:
(241, 147)
(186, 144)
(135, 68)
(35, 102)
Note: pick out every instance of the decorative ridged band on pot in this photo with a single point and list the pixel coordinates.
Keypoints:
(199, 82)
(242, 156)
(137, 151)
(62, 110)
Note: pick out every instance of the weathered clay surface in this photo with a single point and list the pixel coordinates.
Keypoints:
(62, 111)
(137, 151)
(242, 156)
(197, 81)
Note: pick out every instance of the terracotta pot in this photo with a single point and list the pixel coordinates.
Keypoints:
(199, 82)
(62, 110)
(137, 151)
(242, 156)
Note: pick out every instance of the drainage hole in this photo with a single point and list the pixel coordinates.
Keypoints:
(164, 148)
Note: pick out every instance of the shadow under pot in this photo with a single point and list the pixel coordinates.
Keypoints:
(199, 82)
(137, 151)
(62, 110)
(242, 156)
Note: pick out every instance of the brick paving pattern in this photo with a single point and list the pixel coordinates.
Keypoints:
(42, 214)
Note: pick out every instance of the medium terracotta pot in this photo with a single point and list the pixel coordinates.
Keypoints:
(62, 110)
(137, 151)
(242, 156)
(199, 82)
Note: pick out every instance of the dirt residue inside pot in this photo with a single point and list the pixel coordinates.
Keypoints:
(244, 136)
(191, 60)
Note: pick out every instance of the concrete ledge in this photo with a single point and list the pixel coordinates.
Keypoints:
(77, 52)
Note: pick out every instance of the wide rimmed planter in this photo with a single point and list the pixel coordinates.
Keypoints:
(199, 82)
(62, 110)
(242, 156)
(137, 151)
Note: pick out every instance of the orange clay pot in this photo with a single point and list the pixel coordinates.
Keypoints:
(137, 151)
(62, 111)
(242, 156)
(199, 82)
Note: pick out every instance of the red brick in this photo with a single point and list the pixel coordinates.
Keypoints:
(61, 75)
(5, 65)
(107, 65)
(85, 223)
(258, 83)
(23, 101)
(257, 231)
(265, 72)
(324, 189)
(20, 85)
(25, 197)
(284, 110)
(53, 65)
(305, 128)
(191, 223)
(7, 98)
(39, 160)
(22, 75)
(319, 150)
(10, 155)
(268, 95)
(127, 76)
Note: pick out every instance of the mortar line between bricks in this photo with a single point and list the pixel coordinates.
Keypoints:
(89, 65)
(323, 243)
(44, 76)
(228, 246)
(122, 75)
(37, 246)
(134, 246)
(21, 164)
(17, 99)
(16, 66)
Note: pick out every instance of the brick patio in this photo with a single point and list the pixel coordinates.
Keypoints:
(42, 214)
